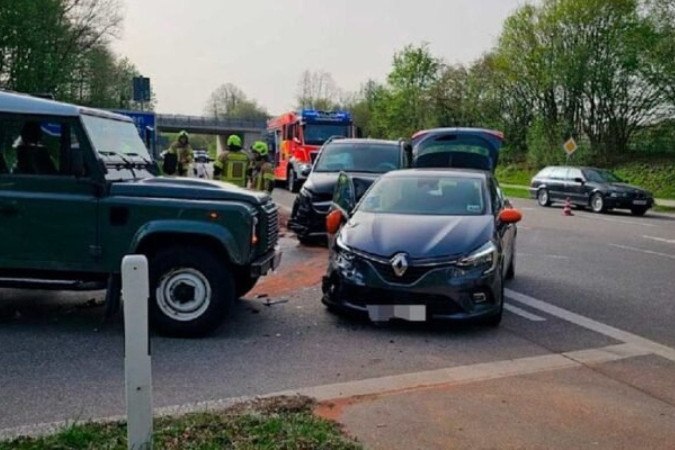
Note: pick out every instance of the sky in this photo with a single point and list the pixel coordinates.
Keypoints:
(189, 48)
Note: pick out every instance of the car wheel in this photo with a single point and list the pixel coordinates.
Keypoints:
(245, 284)
(638, 211)
(543, 198)
(191, 291)
(598, 203)
(292, 182)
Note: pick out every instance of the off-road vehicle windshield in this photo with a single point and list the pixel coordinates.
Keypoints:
(119, 146)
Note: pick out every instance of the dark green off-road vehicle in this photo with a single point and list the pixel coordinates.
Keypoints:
(79, 191)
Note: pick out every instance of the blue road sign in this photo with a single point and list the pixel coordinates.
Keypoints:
(142, 89)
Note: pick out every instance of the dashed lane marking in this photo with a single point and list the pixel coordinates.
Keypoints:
(648, 252)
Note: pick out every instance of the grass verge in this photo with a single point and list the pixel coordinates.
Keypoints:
(515, 192)
(274, 423)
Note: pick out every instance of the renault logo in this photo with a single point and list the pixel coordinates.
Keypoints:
(400, 264)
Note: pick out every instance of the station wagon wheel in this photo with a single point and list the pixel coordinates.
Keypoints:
(191, 291)
(543, 198)
(598, 203)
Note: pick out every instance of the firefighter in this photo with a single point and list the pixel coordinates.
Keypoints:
(232, 166)
(262, 178)
(180, 156)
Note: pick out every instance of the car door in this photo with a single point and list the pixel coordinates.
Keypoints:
(48, 216)
(556, 184)
(506, 231)
(575, 186)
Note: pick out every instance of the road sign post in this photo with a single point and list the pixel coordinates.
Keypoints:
(137, 366)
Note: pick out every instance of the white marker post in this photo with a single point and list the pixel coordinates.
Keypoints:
(137, 369)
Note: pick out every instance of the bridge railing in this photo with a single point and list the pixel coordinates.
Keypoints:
(170, 120)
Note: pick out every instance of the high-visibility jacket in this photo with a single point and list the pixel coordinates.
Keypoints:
(263, 177)
(233, 167)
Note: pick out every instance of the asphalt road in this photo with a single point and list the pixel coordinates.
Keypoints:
(58, 362)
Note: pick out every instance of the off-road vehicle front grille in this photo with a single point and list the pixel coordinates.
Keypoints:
(270, 226)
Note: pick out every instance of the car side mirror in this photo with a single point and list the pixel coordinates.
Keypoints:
(510, 215)
(333, 221)
(579, 180)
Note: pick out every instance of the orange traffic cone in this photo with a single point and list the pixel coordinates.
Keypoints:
(567, 210)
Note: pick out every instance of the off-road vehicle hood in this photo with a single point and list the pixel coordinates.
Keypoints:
(187, 188)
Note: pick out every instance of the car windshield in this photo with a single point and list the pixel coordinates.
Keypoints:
(427, 195)
(317, 134)
(602, 176)
(361, 157)
(118, 141)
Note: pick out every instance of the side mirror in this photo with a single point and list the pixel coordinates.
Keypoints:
(333, 221)
(579, 180)
(510, 215)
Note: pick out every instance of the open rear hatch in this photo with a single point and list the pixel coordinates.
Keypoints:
(459, 148)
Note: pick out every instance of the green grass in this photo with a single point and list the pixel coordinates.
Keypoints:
(515, 192)
(664, 209)
(657, 175)
(278, 423)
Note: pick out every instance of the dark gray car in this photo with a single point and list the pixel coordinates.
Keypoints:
(598, 189)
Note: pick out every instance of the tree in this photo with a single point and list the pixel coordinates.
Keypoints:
(317, 90)
(41, 40)
(585, 67)
(230, 101)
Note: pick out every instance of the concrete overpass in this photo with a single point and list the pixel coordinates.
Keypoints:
(249, 130)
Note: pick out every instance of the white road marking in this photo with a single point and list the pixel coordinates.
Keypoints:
(649, 252)
(593, 325)
(659, 239)
(523, 313)
(627, 222)
(544, 256)
(385, 385)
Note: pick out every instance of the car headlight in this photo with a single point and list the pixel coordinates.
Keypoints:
(305, 192)
(344, 258)
(485, 259)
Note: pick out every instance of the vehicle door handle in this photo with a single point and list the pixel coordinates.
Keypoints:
(9, 207)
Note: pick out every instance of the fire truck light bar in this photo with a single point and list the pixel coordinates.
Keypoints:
(313, 114)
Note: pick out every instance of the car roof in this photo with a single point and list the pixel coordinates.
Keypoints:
(364, 141)
(573, 167)
(434, 172)
(13, 102)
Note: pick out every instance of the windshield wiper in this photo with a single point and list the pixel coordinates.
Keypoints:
(127, 163)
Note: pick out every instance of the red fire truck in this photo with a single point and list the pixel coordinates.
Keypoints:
(295, 138)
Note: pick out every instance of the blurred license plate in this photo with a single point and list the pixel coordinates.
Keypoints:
(413, 313)
(639, 202)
